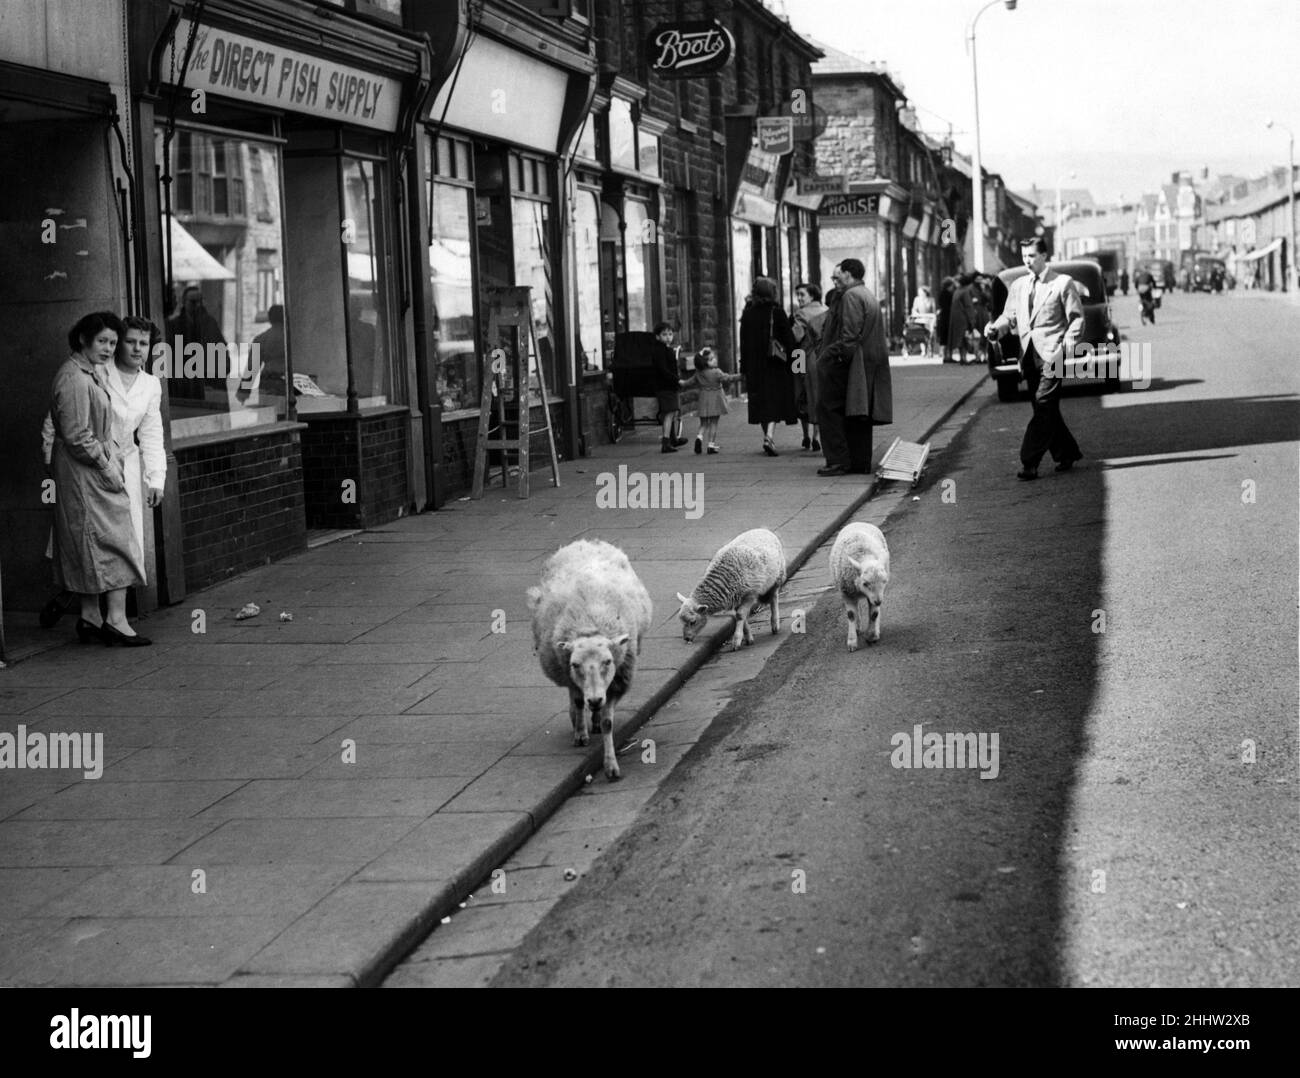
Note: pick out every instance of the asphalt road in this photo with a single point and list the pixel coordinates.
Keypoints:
(1127, 630)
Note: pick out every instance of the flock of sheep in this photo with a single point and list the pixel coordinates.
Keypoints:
(591, 611)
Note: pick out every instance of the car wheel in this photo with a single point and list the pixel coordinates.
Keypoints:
(1008, 388)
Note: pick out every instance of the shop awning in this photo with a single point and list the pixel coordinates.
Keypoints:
(1267, 250)
(191, 261)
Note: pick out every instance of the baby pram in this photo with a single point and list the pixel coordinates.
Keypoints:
(918, 334)
(633, 377)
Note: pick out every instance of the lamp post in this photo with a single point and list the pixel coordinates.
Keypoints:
(1056, 221)
(977, 177)
(1290, 204)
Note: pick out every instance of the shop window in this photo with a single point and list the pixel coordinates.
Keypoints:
(647, 152)
(587, 240)
(531, 222)
(388, 10)
(587, 140)
(639, 255)
(226, 362)
(451, 269)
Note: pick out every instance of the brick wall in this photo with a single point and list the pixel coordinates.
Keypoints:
(367, 451)
(241, 505)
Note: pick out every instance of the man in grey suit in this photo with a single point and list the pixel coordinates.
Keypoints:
(1044, 308)
(853, 383)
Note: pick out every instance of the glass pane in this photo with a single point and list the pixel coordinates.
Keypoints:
(225, 360)
(451, 270)
(369, 331)
(622, 134)
(638, 300)
(587, 140)
(648, 153)
(587, 236)
(462, 160)
(533, 267)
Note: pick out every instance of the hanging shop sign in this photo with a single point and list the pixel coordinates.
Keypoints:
(685, 50)
(246, 69)
(809, 121)
(776, 135)
(851, 206)
(822, 185)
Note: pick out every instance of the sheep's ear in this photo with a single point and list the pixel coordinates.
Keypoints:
(683, 598)
(565, 647)
(857, 564)
(621, 641)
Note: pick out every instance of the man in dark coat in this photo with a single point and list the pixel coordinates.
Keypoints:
(855, 386)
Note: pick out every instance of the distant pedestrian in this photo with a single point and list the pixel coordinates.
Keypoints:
(855, 388)
(1044, 309)
(943, 313)
(961, 319)
(1123, 281)
(807, 325)
(713, 403)
(765, 346)
(666, 377)
(1145, 284)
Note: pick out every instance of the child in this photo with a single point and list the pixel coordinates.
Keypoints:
(666, 379)
(709, 381)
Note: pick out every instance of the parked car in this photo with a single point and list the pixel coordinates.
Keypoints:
(1098, 328)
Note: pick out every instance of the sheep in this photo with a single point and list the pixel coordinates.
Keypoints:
(748, 570)
(589, 616)
(860, 569)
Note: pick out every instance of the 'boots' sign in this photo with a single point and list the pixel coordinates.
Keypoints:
(682, 50)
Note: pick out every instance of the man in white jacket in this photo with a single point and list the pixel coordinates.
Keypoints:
(1044, 308)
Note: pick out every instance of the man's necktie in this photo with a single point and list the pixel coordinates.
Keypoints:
(1033, 284)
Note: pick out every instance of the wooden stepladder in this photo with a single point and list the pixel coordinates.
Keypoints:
(511, 308)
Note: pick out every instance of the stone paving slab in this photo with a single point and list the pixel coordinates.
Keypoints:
(224, 749)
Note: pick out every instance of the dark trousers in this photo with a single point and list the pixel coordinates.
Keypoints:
(846, 439)
(1046, 432)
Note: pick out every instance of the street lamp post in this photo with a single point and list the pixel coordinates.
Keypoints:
(1290, 205)
(977, 177)
(1058, 243)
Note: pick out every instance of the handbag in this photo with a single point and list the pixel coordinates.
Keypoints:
(774, 348)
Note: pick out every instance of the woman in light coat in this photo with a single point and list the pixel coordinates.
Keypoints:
(95, 550)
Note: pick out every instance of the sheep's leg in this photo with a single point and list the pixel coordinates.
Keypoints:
(607, 735)
(578, 716)
(873, 624)
(739, 634)
(851, 611)
(776, 611)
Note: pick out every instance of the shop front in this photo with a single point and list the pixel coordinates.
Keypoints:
(759, 243)
(64, 174)
(277, 223)
(866, 224)
(491, 152)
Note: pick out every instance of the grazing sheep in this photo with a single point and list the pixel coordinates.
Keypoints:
(589, 616)
(860, 569)
(748, 570)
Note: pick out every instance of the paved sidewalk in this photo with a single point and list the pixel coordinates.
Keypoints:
(297, 802)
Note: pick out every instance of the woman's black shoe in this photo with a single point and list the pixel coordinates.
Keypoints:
(89, 634)
(112, 636)
(55, 609)
(768, 448)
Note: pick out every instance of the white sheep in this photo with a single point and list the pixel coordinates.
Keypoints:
(748, 570)
(860, 569)
(589, 616)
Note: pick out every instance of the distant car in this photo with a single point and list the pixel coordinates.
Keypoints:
(1209, 274)
(1162, 269)
(1098, 329)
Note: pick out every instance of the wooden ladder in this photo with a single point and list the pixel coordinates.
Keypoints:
(511, 308)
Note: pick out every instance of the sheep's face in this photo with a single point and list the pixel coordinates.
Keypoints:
(870, 581)
(693, 617)
(593, 663)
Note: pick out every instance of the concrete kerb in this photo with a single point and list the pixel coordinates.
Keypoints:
(449, 897)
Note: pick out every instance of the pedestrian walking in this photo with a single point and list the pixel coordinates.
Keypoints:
(1044, 309)
(961, 319)
(765, 346)
(943, 314)
(855, 388)
(95, 549)
(1123, 281)
(806, 325)
(1145, 284)
(712, 403)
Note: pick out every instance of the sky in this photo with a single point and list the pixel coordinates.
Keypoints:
(1120, 92)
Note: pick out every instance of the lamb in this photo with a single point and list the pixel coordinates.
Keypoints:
(589, 617)
(860, 569)
(748, 570)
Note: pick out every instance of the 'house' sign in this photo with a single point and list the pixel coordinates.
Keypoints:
(683, 50)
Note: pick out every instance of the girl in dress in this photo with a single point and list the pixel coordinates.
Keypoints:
(713, 404)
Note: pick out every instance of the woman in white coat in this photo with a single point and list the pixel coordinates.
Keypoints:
(136, 398)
